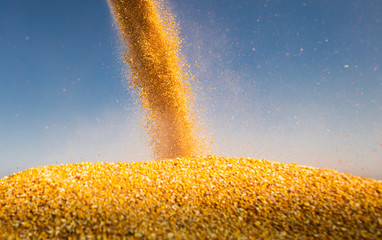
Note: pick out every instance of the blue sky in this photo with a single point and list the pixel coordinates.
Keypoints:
(290, 81)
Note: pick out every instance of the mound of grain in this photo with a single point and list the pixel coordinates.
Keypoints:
(189, 198)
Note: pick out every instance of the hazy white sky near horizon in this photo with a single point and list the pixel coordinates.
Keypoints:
(288, 81)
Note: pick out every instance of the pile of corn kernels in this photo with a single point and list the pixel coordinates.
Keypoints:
(189, 198)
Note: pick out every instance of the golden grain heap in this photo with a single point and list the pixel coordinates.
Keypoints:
(159, 75)
(189, 198)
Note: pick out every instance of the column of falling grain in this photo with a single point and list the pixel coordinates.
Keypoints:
(158, 74)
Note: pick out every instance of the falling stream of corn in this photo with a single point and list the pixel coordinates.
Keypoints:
(159, 74)
(187, 197)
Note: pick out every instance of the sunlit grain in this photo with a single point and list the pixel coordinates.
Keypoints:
(190, 198)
